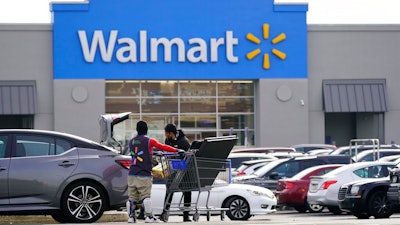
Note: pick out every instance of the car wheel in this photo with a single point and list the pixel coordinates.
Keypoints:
(57, 216)
(238, 208)
(379, 205)
(301, 209)
(314, 208)
(83, 202)
(335, 210)
(361, 215)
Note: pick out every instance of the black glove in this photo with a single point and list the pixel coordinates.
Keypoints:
(181, 152)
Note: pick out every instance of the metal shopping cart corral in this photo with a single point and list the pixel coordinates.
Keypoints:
(192, 173)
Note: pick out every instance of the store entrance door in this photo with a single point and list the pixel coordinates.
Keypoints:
(340, 128)
(16, 122)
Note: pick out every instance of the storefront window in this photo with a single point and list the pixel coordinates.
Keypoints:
(201, 108)
(198, 105)
(119, 105)
(236, 88)
(159, 105)
(159, 88)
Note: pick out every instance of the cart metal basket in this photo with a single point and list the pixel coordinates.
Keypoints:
(190, 173)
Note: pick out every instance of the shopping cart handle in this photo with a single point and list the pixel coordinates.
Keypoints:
(161, 153)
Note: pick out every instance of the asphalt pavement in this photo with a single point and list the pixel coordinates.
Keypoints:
(289, 217)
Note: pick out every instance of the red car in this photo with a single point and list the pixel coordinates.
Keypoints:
(293, 191)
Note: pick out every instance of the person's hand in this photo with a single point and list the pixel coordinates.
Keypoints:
(181, 152)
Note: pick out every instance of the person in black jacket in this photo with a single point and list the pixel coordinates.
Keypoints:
(177, 139)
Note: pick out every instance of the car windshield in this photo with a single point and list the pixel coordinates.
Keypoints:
(261, 171)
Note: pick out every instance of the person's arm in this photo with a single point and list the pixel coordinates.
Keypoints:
(155, 143)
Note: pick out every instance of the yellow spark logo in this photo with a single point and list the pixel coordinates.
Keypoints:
(251, 37)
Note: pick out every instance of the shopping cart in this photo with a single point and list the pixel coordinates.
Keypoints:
(189, 173)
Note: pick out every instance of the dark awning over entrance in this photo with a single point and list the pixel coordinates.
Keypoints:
(364, 95)
(18, 98)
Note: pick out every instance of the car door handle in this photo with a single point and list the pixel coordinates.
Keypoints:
(2, 168)
(66, 164)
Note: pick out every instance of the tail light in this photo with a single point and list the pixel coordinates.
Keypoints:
(241, 174)
(328, 183)
(289, 185)
(124, 163)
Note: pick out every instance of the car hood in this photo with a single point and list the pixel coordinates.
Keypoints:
(366, 181)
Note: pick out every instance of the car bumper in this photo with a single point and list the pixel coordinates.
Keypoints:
(321, 198)
(262, 205)
(393, 193)
(347, 204)
(289, 199)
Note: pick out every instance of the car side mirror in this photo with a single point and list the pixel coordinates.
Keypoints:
(274, 176)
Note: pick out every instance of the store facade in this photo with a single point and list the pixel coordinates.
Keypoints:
(254, 69)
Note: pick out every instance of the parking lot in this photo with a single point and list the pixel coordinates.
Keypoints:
(281, 217)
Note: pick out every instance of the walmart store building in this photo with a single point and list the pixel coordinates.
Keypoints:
(250, 68)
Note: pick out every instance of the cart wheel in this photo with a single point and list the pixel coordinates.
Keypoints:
(196, 216)
(222, 215)
(208, 215)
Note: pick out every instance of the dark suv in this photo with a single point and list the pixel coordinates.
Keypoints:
(366, 198)
(268, 175)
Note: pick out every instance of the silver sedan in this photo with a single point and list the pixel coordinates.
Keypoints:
(71, 178)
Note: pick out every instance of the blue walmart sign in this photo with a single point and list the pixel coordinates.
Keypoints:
(179, 39)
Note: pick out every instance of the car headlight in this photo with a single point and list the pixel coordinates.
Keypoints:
(261, 193)
(394, 179)
(354, 190)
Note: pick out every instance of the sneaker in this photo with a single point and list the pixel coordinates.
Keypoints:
(131, 220)
(152, 220)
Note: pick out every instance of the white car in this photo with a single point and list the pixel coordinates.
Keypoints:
(323, 190)
(238, 158)
(242, 201)
(248, 167)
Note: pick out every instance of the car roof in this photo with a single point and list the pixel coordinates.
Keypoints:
(263, 149)
(358, 165)
(80, 141)
(311, 169)
(314, 145)
(256, 161)
(366, 152)
(249, 154)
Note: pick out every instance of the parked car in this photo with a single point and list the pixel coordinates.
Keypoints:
(393, 193)
(248, 167)
(320, 152)
(293, 191)
(284, 155)
(238, 158)
(305, 148)
(372, 155)
(366, 198)
(68, 177)
(324, 189)
(268, 175)
(242, 201)
(264, 149)
(351, 151)
(390, 158)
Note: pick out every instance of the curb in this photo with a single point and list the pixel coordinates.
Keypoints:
(108, 216)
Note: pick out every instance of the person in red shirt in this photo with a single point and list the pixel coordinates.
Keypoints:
(140, 179)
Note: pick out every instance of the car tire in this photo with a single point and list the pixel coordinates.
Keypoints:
(301, 209)
(361, 216)
(83, 202)
(379, 205)
(335, 210)
(314, 208)
(59, 217)
(238, 208)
